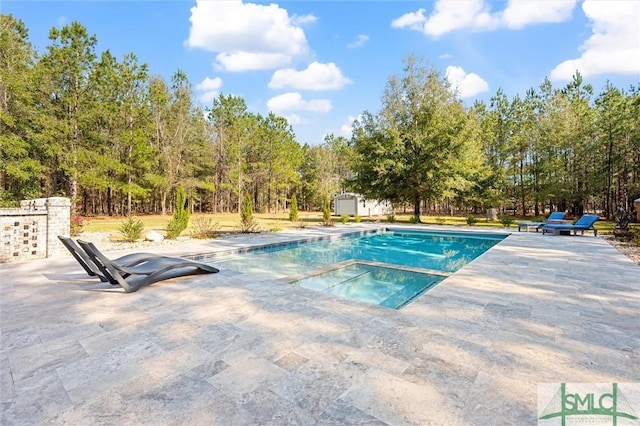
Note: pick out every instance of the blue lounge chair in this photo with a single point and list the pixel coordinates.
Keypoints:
(554, 217)
(132, 278)
(585, 223)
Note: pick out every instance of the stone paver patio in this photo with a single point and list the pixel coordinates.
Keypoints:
(234, 349)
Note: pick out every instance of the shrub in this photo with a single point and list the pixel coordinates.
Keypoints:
(293, 211)
(76, 225)
(131, 230)
(247, 220)
(635, 236)
(414, 219)
(326, 212)
(180, 219)
(205, 228)
(391, 218)
(623, 218)
(506, 220)
(344, 218)
(472, 220)
(7, 201)
(357, 218)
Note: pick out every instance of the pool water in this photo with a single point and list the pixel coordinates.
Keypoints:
(378, 285)
(387, 269)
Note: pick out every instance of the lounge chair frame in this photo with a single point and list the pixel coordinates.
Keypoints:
(148, 272)
(554, 217)
(94, 270)
(584, 223)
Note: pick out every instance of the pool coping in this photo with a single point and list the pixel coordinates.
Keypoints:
(232, 349)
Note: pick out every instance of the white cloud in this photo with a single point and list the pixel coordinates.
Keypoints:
(345, 129)
(247, 36)
(359, 41)
(614, 46)
(453, 15)
(518, 13)
(210, 87)
(467, 85)
(304, 19)
(412, 20)
(448, 16)
(248, 61)
(317, 76)
(294, 119)
(476, 15)
(210, 84)
(293, 102)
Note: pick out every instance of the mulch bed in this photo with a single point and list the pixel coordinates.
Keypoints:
(629, 249)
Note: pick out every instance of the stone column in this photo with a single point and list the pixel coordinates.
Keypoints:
(58, 223)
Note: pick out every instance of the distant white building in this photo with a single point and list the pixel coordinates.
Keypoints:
(356, 205)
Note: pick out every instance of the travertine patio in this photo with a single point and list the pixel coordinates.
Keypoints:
(232, 349)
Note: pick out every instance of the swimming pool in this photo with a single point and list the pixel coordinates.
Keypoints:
(388, 268)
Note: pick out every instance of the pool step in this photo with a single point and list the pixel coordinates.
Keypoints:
(407, 294)
(405, 268)
(342, 265)
(371, 282)
(327, 278)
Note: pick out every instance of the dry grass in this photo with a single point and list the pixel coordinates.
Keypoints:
(227, 222)
(230, 222)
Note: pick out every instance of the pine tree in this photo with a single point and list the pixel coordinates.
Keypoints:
(293, 213)
(326, 211)
(180, 219)
(247, 221)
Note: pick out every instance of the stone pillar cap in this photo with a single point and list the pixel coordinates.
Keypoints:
(58, 200)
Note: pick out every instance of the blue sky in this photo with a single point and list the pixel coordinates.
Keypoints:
(322, 63)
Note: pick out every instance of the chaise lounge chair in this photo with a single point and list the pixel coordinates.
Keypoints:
(132, 278)
(93, 270)
(585, 223)
(554, 217)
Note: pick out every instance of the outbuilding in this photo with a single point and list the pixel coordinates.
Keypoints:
(357, 205)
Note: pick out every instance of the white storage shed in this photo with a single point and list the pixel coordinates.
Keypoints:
(356, 205)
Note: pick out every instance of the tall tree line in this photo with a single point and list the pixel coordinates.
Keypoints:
(553, 149)
(119, 140)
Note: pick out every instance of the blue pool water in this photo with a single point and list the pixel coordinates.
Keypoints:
(378, 285)
(388, 269)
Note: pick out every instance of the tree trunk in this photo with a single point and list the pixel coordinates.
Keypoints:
(109, 202)
(416, 206)
(522, 191)
(163, 203)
